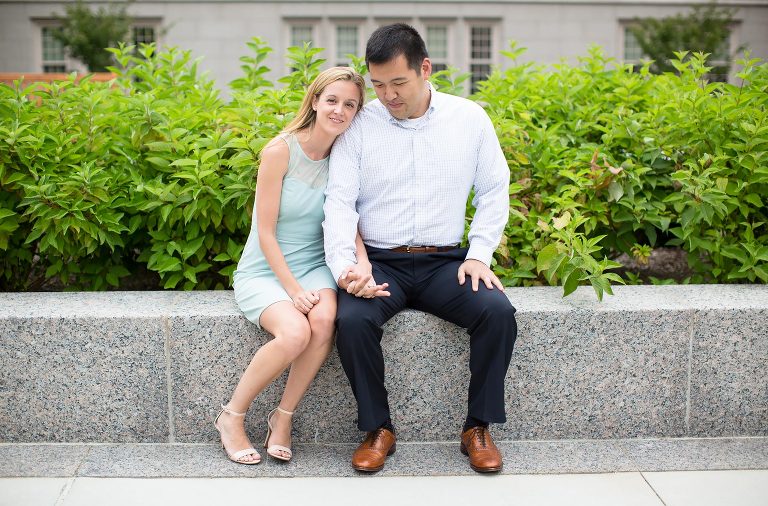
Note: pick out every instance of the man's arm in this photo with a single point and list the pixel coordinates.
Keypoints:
(491, 204)
(340, 224)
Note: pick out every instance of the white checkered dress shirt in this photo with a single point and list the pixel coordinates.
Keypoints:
(406, 182)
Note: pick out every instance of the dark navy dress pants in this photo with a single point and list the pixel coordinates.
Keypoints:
(427, 282)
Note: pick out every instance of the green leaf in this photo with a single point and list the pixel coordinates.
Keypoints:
(615, 191)
(545, 257)
(184, 162)
(168, 264)
(754, 199)
(156, 160)
(571, 281)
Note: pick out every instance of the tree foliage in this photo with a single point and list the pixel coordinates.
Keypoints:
(86, 34)
(705, 29)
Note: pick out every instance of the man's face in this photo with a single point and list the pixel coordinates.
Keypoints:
(400, 88)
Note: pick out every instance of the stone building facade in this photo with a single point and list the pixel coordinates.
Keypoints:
(467, 34)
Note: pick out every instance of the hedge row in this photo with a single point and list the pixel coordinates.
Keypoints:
(155, 172)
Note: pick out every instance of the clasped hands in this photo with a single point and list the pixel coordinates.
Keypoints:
(357, 279)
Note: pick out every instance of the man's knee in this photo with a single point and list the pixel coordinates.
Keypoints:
(497, 314)
(495, 305)
(353, 327)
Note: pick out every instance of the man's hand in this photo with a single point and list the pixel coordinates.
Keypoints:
(357, 279)
(477, 270)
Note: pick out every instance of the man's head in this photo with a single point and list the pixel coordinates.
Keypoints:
(399, 67)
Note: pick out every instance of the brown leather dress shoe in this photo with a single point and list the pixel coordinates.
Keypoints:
(374, 450)
(484, 456)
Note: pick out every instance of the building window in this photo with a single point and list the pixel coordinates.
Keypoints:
(437, 47)
(301, 34)
(346, 43)
(142, 34)
(54, 57)
(480, 54)
(633, 55)
(718, 60)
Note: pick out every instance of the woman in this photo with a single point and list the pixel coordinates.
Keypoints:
(282, 283)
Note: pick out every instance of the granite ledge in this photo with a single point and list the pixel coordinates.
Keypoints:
(221, 303)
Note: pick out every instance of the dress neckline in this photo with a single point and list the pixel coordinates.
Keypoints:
(305, 155)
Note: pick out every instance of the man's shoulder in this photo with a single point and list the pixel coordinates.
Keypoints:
(372, 110)
(457, 103)
(365, 120)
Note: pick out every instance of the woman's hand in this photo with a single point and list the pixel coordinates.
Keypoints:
(305, 300)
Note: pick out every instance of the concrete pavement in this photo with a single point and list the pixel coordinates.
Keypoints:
(679, 488)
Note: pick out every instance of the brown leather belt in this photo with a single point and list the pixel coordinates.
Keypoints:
(422, 249)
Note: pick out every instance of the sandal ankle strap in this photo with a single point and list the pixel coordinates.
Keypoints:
(230, 412)
(289, 413)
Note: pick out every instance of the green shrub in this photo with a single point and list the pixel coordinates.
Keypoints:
(99, 181)
(606, 160)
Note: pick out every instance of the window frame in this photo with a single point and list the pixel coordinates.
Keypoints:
(336, 23)
(73, 64)
(49, 62)
(304, 23)
(490, 61)
(449, 57)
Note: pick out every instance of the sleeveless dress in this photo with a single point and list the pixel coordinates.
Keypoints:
(299, 233)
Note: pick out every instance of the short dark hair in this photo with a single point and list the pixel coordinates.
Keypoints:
(390, 41)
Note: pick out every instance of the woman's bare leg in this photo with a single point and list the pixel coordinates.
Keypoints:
(305, 366)
(291, 329)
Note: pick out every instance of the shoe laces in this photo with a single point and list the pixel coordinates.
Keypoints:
(375, 436)
(481, 434)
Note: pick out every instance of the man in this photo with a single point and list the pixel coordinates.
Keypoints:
(401, 175)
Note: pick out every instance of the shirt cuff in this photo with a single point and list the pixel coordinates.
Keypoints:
(338, 267)
(481, 253)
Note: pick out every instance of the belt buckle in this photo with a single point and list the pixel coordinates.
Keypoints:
(408, 248)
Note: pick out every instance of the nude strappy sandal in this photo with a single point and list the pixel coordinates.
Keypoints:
(272, 450)
(238, 455)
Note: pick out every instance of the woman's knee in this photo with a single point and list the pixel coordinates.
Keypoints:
(322, 324)
(293, 337)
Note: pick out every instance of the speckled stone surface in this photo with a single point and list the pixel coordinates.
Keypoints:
(32, 459)
(697, 454)
(587, 456)
(729, 373)
(210, 355)
(82, 379)
(410, 459)
(598, 374)
(153, 367)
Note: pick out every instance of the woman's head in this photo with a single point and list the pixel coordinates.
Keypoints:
(336, 94)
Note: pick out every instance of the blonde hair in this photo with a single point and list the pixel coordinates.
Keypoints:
(306, 116)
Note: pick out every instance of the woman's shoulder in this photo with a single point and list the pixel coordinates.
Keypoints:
(275, 156)
(277, 148)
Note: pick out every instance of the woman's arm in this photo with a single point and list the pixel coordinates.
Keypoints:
(269, 186)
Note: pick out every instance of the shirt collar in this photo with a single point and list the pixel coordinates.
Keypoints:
(434, 100)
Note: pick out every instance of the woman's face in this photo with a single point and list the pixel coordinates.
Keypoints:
(336, 106)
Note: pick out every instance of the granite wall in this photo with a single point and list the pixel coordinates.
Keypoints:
(666, 361)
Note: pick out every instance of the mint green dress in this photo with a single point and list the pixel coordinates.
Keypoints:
(299, 234)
